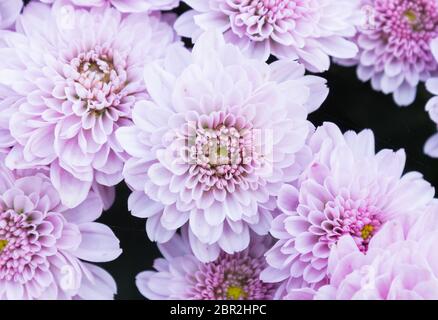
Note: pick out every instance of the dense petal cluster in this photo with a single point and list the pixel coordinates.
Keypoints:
(394, 46)
(180, 275)
(43, 244)
(72, 89)
(346, 189)
(310, 31)
(216, 142)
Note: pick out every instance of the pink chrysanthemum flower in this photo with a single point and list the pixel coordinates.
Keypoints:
(346, 189)
(122, 5)
(394, 46)
(9, 11)
(43, 244)
(310, 31)
(401, 264)
(74, 88)
(431, 146)
(180, 276)
(216, 142)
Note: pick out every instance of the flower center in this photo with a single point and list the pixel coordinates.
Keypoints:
(99, 69)
(407, 27)
(355, 217)
(3, 244)
(221, 153)
(18, 247)
(235, 293)
(411, 16)
(361, 223)
(219, 150)
(232, 277)
(367, 231)
(98, 79)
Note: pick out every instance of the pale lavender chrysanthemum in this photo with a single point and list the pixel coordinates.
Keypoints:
(9, 11)
(9, 102)
(73, 89)
(394, 46)
(346, 189)
(130, 6)
(44, 245)
(216, 142)
(180, 276)
(431, 146)
(310, 31)
(401, 264)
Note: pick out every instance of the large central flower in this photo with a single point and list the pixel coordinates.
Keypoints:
(74, 88)
(216, 144)
(308, 30)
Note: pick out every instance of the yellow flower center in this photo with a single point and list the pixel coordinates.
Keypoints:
(3, 244)
(411, 16)
(235, 293)
(366, 231)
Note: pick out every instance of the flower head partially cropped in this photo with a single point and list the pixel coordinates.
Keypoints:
(73, 89)
(431, 146)
(9, 102)
(9, 11)
(180, 276)
(394, 48)
(310, 31)
(43, 243)
(216, 142)
(401, 264)
(346, 189)
(122, 5)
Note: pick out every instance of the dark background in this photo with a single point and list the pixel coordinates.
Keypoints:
(351, 104)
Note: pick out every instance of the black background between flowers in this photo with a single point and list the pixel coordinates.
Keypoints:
(351, 104)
